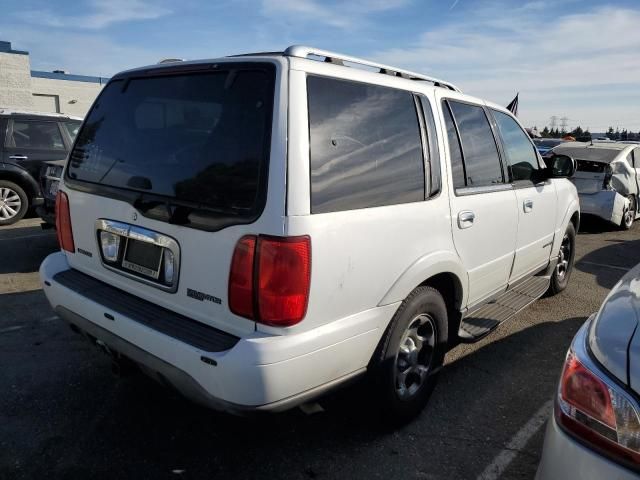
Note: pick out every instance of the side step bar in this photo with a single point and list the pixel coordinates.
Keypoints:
(481, 320)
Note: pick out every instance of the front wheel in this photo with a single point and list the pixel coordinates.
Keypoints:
(566, 257)
(405, 366)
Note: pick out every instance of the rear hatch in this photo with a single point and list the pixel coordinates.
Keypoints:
(173, 165)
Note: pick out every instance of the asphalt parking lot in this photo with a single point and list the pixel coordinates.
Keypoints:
(63, 414)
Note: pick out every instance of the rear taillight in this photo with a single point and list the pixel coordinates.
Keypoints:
(241, 278)
(63, 223)
(598, 412)
(270, 278)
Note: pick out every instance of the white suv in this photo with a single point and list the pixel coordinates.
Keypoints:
(256, 230)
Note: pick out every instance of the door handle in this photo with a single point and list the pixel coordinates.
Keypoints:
(527, 205)
(18, 157)
(466, 219)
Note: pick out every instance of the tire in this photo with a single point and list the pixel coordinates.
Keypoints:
(629, 215)
(14, 203)
(566, 256)
(403, 373)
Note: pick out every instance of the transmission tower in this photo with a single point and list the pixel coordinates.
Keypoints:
(554, 119)
(563, 124)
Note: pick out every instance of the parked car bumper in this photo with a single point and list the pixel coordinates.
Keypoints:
(47, 211)
(564, 457)
(260, 372)
(606, 204)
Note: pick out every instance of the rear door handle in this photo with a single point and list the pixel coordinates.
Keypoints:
(18, 157)
(527, 205)
(466, 219)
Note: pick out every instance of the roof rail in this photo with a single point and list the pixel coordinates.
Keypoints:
(302, 51)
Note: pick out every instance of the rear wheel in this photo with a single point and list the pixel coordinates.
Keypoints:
(13, 203)
(405, 366)
(629, 214)
(566, 257)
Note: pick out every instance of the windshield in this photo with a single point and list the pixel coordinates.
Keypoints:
(196, 137)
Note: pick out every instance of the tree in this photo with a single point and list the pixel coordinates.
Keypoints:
(545, 132)
(577, 132)
(610, 133)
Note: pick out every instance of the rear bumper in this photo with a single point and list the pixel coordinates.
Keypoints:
(259, 372)
(563, 457)
(607, 204)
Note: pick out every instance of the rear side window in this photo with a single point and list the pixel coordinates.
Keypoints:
(435, 175)
(365, 146)
(479, 150)
(37, 135)
(518, 148)
(455, 151)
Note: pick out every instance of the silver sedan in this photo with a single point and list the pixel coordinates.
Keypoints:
(595, 430)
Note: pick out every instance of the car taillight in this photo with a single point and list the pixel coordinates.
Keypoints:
(270, 279)
(241, 278)
(595, 410)
(63, 223)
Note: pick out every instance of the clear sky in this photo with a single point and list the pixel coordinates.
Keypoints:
(573, 58)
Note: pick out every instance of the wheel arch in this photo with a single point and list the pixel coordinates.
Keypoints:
(440, 270)
(21, 178)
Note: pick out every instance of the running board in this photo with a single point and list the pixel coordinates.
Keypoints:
(478, 322)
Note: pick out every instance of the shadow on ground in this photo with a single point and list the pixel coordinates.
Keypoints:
(65, 416)
(22, 249)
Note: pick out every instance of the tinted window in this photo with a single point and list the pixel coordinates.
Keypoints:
(72, 127)
(432, 144)
(199, 137)
(481, 161)
(365, 144)
(457, 168)
(520, 153)
(37, 135)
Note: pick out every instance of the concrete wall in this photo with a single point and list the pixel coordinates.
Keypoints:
(15, 81)
(24, 89)
(84, 93)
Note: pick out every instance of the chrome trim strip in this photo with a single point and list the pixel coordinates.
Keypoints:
(142, 234)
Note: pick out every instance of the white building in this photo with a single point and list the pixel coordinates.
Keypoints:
(24, 89)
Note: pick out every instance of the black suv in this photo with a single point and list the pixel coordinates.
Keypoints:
(27, 141)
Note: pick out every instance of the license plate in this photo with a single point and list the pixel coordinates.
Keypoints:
(53, 188)
(143, 258)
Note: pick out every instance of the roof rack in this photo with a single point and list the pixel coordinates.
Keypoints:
(302, 51)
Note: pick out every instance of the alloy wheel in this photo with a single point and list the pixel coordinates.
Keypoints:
(629, 216)
(415, 355)
(564, 256)
(10, 203)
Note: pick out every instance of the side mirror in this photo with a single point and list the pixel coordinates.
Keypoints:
(561, 166)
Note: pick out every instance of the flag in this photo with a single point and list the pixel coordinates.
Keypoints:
(513, 106)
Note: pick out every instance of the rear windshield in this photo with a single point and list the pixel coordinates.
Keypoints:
(592, 167)
(196, 137)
